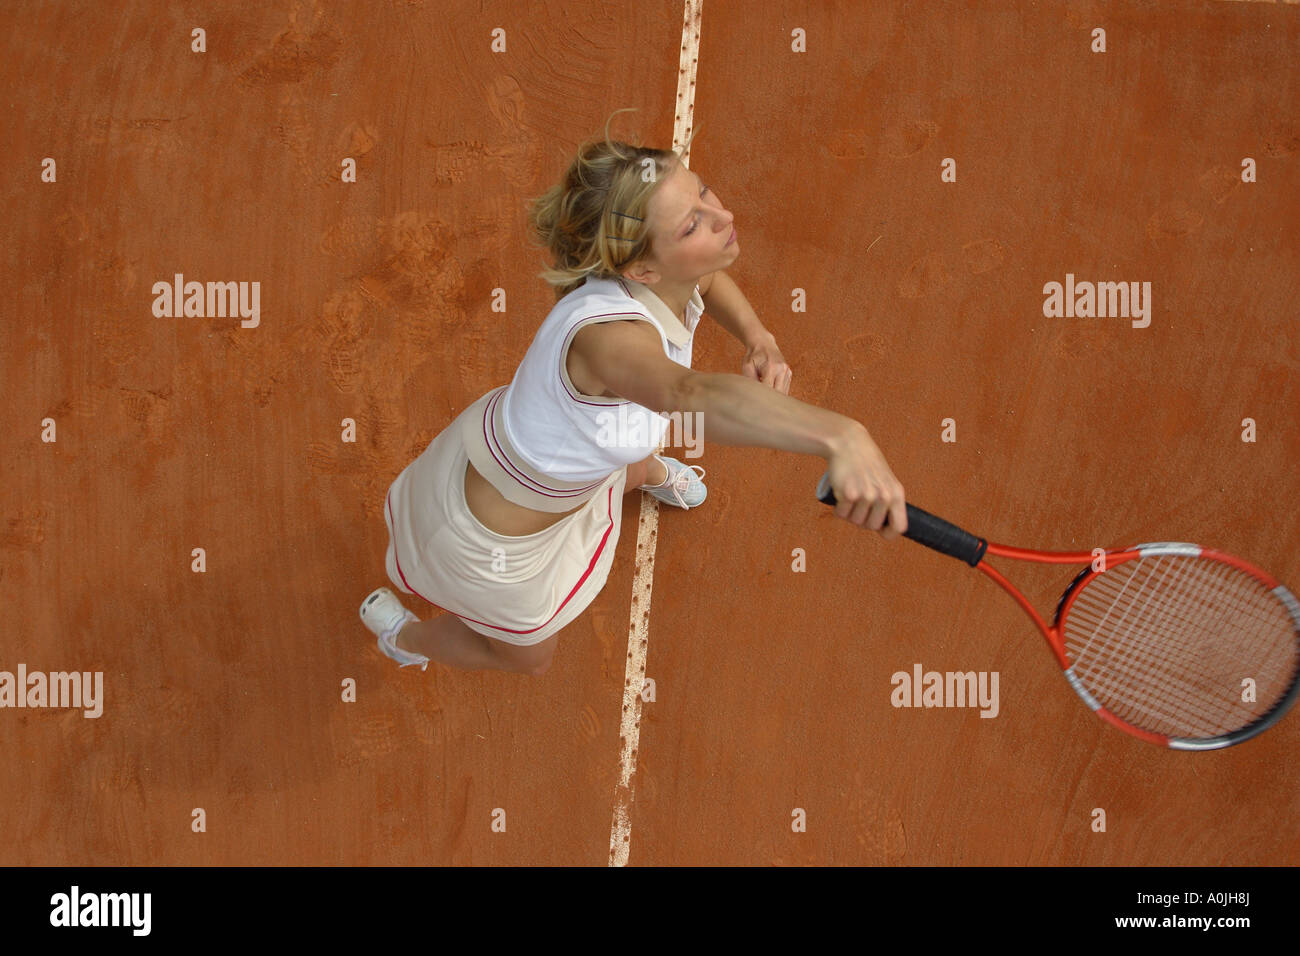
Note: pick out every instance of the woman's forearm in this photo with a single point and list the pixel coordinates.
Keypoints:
(731, 310)
(736, 410)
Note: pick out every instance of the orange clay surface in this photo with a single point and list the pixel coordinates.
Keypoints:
(222, 689)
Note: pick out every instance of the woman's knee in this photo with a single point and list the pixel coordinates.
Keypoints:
(532, 659)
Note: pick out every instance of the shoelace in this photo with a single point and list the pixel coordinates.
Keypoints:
(682, 480)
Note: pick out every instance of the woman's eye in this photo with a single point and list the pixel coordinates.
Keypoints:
(697, 221)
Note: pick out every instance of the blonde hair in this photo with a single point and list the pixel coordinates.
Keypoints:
(594, 223)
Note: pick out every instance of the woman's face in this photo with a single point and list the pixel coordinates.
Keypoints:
(691, 230)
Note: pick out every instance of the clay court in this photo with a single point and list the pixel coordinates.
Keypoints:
(132, 439)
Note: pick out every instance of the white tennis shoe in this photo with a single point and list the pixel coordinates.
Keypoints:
(385, 615)
(683, 487)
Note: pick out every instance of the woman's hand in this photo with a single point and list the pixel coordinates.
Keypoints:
(765, 363)
(865, 489)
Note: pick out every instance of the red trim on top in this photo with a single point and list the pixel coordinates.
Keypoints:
(513, 470)
(564, 351)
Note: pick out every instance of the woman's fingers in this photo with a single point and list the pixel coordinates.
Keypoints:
(876, 514)
(880, 507)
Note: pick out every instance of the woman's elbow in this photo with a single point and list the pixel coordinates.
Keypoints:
(685, 392)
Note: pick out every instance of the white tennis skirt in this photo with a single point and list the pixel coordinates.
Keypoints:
(520, 590)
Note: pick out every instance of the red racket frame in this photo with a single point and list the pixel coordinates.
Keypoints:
(1112, 558)
(947, 538)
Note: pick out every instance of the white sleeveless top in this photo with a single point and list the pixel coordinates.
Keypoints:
(541, 442)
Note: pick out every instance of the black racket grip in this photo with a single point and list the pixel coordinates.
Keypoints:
(927, 529)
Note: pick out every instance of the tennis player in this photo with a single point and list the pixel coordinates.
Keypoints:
(509, 519)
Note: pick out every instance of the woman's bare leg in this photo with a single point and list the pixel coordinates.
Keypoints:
(644, 472)
(449, 640)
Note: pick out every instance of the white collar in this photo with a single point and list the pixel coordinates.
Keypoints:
(677, 333)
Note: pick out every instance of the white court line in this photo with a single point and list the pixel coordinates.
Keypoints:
(638, 633)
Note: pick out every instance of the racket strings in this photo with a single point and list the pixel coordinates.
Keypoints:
(1165, 642)
(1141, 672)
(1197, 613)
(1145, 677)
(1149, 676)
(1202, 610)
(1149, 690)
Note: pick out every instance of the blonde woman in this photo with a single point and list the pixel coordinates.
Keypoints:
(509, 519)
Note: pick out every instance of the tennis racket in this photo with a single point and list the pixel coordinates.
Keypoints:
(1160, 640)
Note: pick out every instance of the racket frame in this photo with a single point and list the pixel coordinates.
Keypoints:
(1054, 633)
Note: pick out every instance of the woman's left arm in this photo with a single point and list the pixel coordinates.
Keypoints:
(730, 309)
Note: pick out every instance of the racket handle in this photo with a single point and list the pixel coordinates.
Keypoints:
(927, 529)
